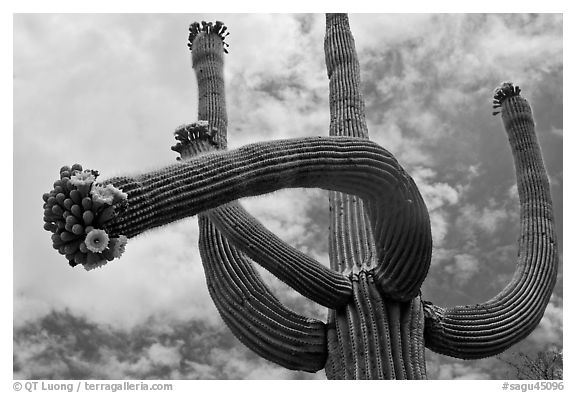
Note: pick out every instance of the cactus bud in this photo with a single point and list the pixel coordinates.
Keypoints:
(67, 236)
(71, 220)
(77, 229)
(76, 196)
(87, 203)
(82, 247)
(68, 203)
(88, 217)
(76, 210)
(60, 198)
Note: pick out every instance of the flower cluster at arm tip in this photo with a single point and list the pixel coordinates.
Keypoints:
(76, 211)
(502, 93)
(217, 28)
(196, 138)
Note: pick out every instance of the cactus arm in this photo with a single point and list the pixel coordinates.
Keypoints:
(246, 305)
(252, 312)
(351, 242)
(246, 233)
(347, 117)
(242, 299)
(408, 252)
(301, 272)
(202, 183)
(486, 329)
(207, 49)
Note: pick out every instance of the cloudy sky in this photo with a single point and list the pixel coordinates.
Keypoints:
(107, 91)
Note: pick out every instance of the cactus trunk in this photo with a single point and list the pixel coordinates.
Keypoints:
(375, 336)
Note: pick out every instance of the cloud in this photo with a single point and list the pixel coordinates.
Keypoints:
(464, 267)
(160, 274)
(164, 355)
(486, 220)
(63, 346)
(557, 132)
(437, 195)
(550, 328)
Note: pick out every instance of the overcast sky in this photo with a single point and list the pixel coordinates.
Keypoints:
(107, 91)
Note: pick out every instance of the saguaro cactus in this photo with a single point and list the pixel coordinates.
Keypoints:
(380, 236)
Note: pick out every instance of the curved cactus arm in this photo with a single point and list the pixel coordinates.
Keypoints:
(407, 256)
(349, 164)
(252, 312)
(301, 272)
(486, 329)
(182, 190)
